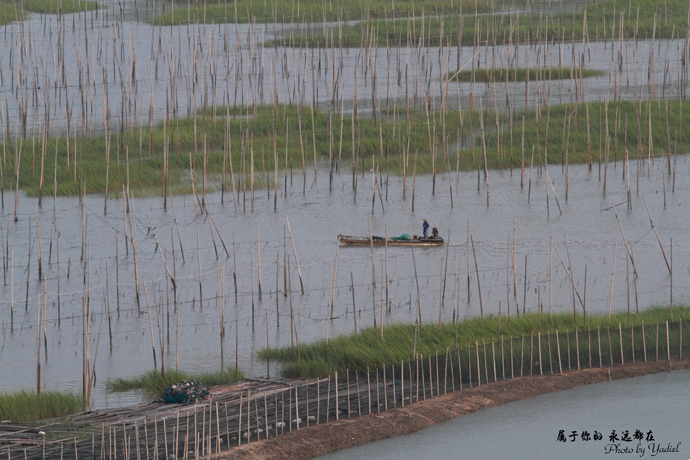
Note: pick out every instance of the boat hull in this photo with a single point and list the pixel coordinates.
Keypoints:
(380, 241)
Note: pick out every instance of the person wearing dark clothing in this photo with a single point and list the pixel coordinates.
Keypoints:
(425, 228)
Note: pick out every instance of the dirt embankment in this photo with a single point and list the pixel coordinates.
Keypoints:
(313, 441)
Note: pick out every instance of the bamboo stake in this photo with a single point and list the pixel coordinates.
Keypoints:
(153, 343)
(38, 239)
(12, 293)
(295, 252)
(373, 275)
(38, 346)
(657, 235)
(177, 225)
(172, 279)
(258, 251)
(479, 287)
(198, 257)
(627, 247)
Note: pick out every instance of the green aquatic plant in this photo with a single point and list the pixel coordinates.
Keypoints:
(226, 141)
(25, 406)
(152, 383)
(357, 352)
(595, 22)
(285, 12)
(11, 11)
(512, 75)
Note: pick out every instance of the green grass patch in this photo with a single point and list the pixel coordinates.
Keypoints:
(10, 13)
(514, 75)
(152, 383)
(233, 136)
(11, 10)
(314, 12)
(58, 6)
(356, 352)
(448, 26)
(24, 406)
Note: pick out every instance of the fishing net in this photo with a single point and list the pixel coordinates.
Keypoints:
(185, 392)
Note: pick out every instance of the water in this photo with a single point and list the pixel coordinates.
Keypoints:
(145, 63)
(316, 218)
(528, 429)
(141, 69)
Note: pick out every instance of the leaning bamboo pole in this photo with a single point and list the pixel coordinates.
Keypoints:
(479, 287)
(627, 246)
(295, 252)
(177, 225)
(657, 236)
(160, 248)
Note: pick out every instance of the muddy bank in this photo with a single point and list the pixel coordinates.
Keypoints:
(317, 440)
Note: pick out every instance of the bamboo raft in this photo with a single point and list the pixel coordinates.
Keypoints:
(345, 240)
(247, 411)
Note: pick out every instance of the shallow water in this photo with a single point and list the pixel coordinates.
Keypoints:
(145, 63)
(140, 68)
(529, 429)
(316, 218)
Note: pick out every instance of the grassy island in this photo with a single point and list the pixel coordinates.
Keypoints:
(357, 352)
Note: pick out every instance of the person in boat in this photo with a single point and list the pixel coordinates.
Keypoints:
(434, 233)
(425, 228)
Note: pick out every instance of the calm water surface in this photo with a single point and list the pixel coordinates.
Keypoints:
(584, 236)
(145, 63)
(529, 429)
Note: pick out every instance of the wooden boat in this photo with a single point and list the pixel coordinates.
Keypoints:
(345, 240)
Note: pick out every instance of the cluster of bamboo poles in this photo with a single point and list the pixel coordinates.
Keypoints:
(162, 315)
(245, 60)
(246, 65)
(261, 408)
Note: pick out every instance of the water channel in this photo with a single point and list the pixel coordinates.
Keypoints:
(529, 429)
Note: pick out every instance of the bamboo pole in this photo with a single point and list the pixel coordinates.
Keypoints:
(177, 225)
(258, 251)
(132, 224)
(295, 252)
(198, 257)
(172, 279)
(627, 246)
(153, 343)
(38, 240)
(373, 274)
(657, 235)
(38, 346)
(12, 293)
(479, 287)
